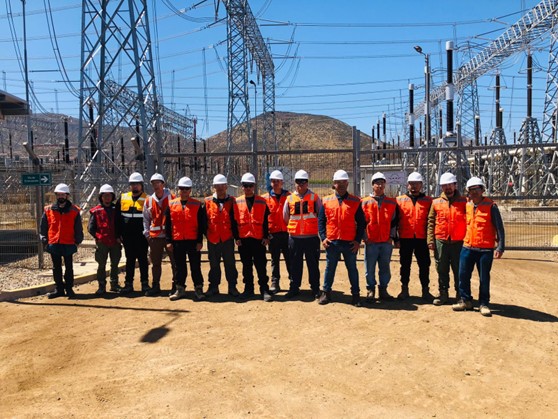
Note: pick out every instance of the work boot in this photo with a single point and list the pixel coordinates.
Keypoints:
(114, 287)
(325, 298)
(404, 294)
(128, 288)
(55, 294)
(485, 311)
(198, 293)
(173, 289)
(426, 296)
(178, 294)
(70, 293)
(267, 297)
(154, 290)
(293, 292)
(101, 290)
(316, 293)
(233, 291)
(145, 288)
(274, 288)
(355, 301)
(442, 299)
(462, 305)
(370, 295)
(384, 294)
(248, 292)
(212, 290)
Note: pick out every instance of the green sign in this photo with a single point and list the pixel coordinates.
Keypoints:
(36, 179)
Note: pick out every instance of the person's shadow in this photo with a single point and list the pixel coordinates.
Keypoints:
(523, 313)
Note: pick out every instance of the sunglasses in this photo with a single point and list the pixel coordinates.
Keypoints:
(184, 188)
(247, 185)
(301, 181)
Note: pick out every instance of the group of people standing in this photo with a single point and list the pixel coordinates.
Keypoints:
(462, 232)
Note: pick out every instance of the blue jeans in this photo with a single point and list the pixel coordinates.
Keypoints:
(467, 261)
(335, 249)
(378, 253)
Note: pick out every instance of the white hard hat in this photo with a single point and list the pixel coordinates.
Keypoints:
(157, 176)
(378, 176)
(415, 177)
(447, 178)
(340, 175)
(248, 178)
(135, 178)
(220, 180)
(301, 174)
(185, 182)
(62, 188)
(475, 181)
(106, 188)
(276, 174)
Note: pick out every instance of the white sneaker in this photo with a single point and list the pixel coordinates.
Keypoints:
(485, 311)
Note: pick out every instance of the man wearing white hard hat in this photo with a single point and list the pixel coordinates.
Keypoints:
(447, 223)
(61, 233)
(278, 235)
(219, 209)
(185, 225)
(154, 230)
(129, 209)
(381, 217)
(104, 227)
(414, 207)
(484, 240)
(251, 216)
(301, 216)
(341, 226)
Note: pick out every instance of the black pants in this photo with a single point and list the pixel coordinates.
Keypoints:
(57, 272)
(308, 248)
(215, 252)
(278, 245)
(136, 247)
(422, 254)
(181, 249)
(252, 253)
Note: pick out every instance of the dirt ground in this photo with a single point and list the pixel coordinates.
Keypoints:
(150, 357)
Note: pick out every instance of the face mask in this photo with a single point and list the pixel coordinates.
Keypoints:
(61, 200)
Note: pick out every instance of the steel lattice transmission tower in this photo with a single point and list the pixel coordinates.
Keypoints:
(116, 44)
(468, 108)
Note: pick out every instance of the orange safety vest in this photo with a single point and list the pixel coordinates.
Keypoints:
(157, 227)
(481, 232)
(451, 220)
(250, 223)
(105, 232)
(276, 221)
(184, 221)
(413, 218)
(61, 225)
(340, 219)
(219, 220)
(378, 219)
(303, 219)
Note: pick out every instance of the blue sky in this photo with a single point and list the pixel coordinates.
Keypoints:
(350, 60)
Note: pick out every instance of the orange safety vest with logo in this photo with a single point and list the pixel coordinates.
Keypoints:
(184, 221)
(275, 219)
(378, 219)
(481, 232)
(413, 218)
(451, 220)
(303, 219)
(130, 208)
(61, 225)
(219, 220)
(105, 231)
(250, 223)
(157, 227)
(340, 219)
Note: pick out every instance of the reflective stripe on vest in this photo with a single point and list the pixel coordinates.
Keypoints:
(340, 219)
(303, 219)
(481, 233)
(413, 218)
(250, 222)
(275, 219)
(61, 225)
(378, 218)
(184, 221)
(130, 208)
(451, 220)
(219, 220)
